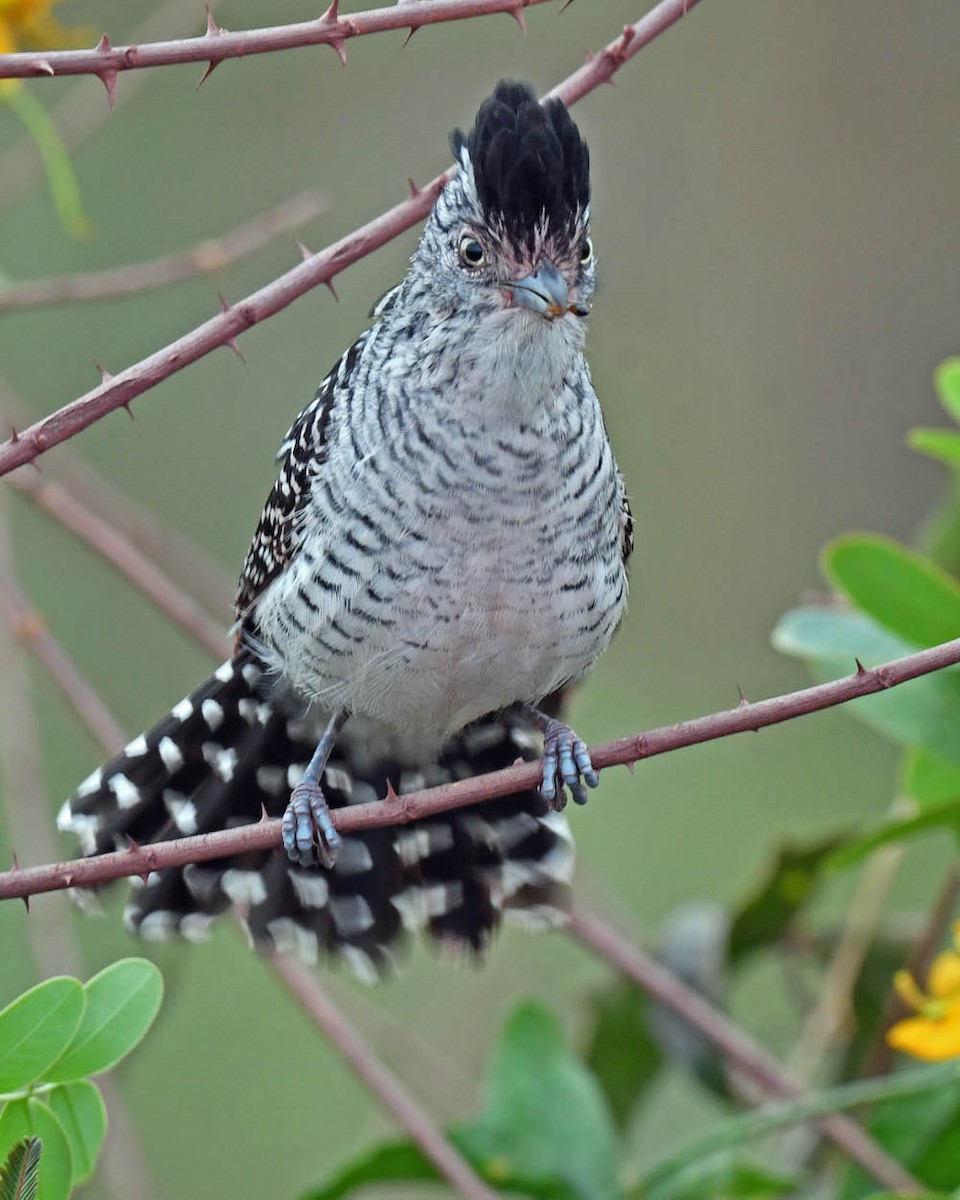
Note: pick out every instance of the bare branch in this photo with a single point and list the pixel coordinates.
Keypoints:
(417, 1122)
(118, 390)
(216, 44)
(206, 258)
(736, 1046)
(400, 810)
(126, 557)
(30, 628)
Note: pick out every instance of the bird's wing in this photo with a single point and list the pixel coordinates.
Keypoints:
(626, 526)
(278, 532)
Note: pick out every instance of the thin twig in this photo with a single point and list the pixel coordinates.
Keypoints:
(217, 44)
(121, 553)
(117, 391)
(735, 1045)
(414, 806)
(169, 549)
(29, 627)
(206, 258)
(380, 1080)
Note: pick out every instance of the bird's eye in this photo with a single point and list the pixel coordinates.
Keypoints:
(471, 252)
(586, 252)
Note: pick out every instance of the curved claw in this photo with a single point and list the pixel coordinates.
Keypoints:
(309, 836)
(566, 763)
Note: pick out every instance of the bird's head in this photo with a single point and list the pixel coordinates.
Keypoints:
(509, 236)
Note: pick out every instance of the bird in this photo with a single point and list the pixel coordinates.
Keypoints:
(442, 558)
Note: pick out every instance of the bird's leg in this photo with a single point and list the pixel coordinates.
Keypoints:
(566, 761)
(309, 836)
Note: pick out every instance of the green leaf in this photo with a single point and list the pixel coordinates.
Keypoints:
(935, 816)
(122, 1002)
(667, 1179)
(393, 1162)
(920, 1131)
(726, 1177)
(946, 381)
(622, 1054)
(402, 1162)
(20, 1174)
(902, 590)
(924, 712)
(80, 1109)
(941, 444)
(29, 1118)
(545, 1115)
(929, 779)
(36, 1029)
(766, 914)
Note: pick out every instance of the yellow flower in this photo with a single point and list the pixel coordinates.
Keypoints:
(29, 25)
(934, 1034)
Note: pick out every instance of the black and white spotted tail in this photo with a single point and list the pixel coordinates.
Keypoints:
(227, 752)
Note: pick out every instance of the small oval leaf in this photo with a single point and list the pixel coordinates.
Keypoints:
(30, 1118)
(36, 1029)
(941, 444)
(122, 1001)
(80, 1109)
(906, 592)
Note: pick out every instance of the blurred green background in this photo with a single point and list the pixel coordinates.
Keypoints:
(775, 213)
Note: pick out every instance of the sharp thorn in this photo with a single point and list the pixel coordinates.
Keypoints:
(861, 669)
(407, 40)
(566, 4)
(264, 815)
(631, 766)
(14, 436)
(213, 29)
(517, 14)
(44, 67)
(132, 846)
(333, 290)
(26, 902)
(68, 879)
(743, 702)
(305, 253)
(104, 44)
(337, 45)
(391, 796)
(105, 375)
(109, 81)
(232, 343)
(16, 862)
(414, 190)
(128, 410)
(224, 306)
(332, 14)
(145, 878)
(518, 761)
(207, 72)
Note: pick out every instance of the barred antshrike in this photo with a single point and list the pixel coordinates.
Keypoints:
(444, 550)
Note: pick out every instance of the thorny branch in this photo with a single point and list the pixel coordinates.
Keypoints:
(216, 44)
(117, 391)
(414, 806)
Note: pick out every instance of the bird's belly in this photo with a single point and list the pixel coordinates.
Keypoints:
(491, 621)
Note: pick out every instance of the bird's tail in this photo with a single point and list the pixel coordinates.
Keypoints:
(227, 753)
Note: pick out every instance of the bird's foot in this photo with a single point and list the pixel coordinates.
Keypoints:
(309, 836)
(566, 763)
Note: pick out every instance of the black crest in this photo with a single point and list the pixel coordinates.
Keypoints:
(528, 159)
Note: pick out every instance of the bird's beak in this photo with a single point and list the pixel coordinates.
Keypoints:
(544, 292)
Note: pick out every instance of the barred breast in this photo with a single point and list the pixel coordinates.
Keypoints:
(453, 564)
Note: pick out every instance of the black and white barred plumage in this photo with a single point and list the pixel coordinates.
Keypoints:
(446, 543)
